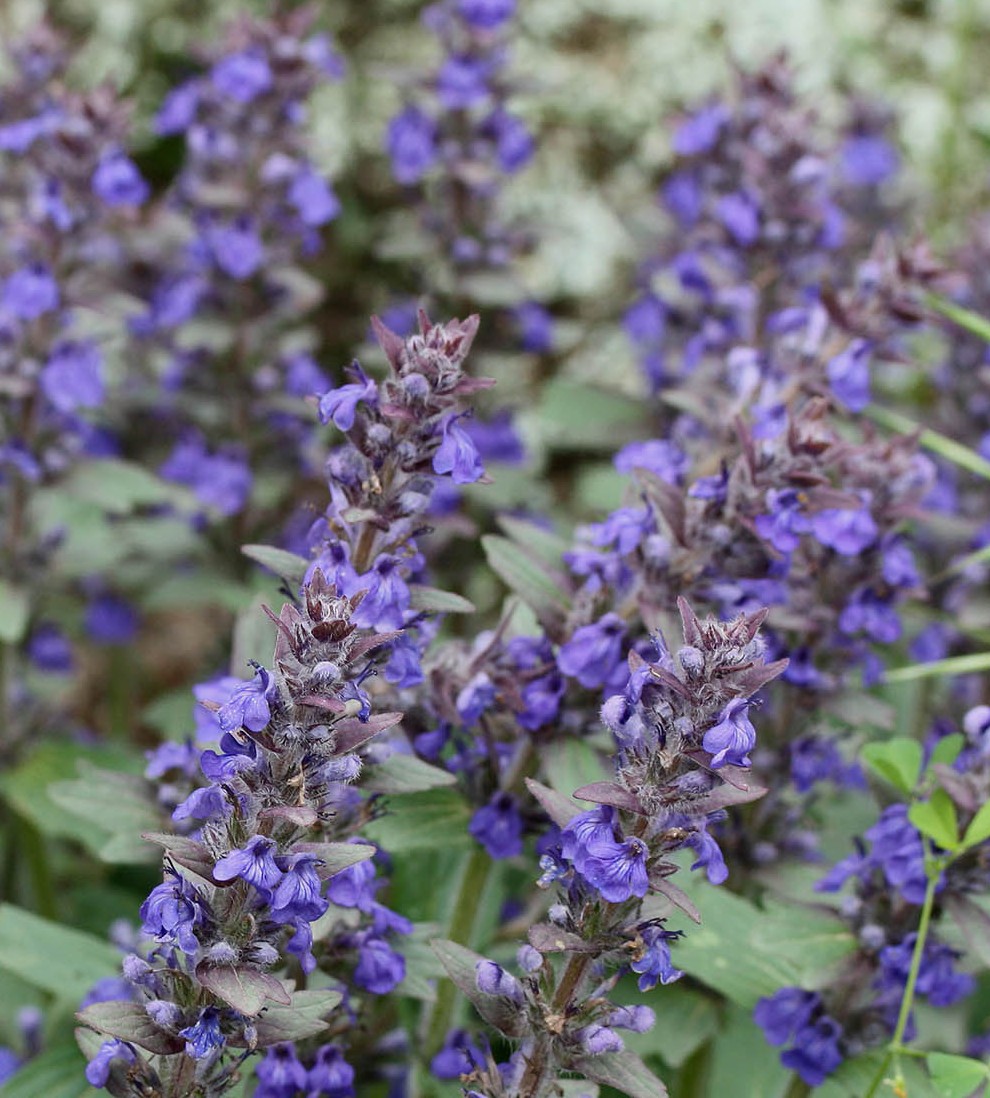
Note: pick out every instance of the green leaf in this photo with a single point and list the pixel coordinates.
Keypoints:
(247, 990)
(288, 565)
(979, 827)
(974, 923)
(254, 638)
(335, 857)
(432, 600)
(570, 763)
(304, 1017)
(853, 1078)
(572, 415)
(813, 941)
(947, 750)
(56, 1073)
(936, 818)
(549, 547)
(130, 1022)
(898, 761)
(119, 486)
(687, 1019)
(742, 1063)
(623, 1070)
(405, 774)
(460, 964)
(956, 1076)
(939, 444)
(954, 665)
(530, 579)
(15, 610)
(56, 958)
(422, 821)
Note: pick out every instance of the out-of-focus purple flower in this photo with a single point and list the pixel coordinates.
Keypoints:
(117, 181)
(110, 620)
(681, 194)
(784, 521)
(475, 697)
(733, 737)
(898, 849)
(331, 1074)
(220, 481)
(816, 1051)
(496, 439)
(849, 375)
(242, 76)
(740, 214)
(846, 531)
(897, 563)
(645, 321)
(279, 1072)
(98, 1069)
(313, 197)
(236, 247)
(178, 111)
(108, 990)
(49, 650)
(30, 292)
(658, 455)
(699, 132)
(72, 376)
(594, 651)
(461, 83)
(868, 160)
(457, 454)
(535, 327)
(379, 969)
(486, 14)
(780, 1015)
(411, 142)
(498, 827)
(513, 141)
(458, 1056)
(872, 614)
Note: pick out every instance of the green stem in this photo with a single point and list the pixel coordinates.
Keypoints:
(35, 855)
(438, 1015)
(896, 1047)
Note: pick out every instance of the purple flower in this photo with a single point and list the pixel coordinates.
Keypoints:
(170, 913)
(898, 850)
(386, 599)
(339, 405)
(849, 375)
(699, 133)
(733, 737)
(597, 1039)
(411, 142)
(785, 520)
(458, 1056)
(30, 292)
(280, 1074)
(653, 962)
(457, 454)
(475, 697)
(236, 248)
(639, 1019)
(178, 112)
(108, 990)
(313, 197)
(846, 531)
(868, 160)
(117, 181)
(535, 327)
(492, 979)
(872, 614)
(98, 1069)
(657, 455)
(204, 1039)
(682, 195)
(816, 1051)
(49, 649)
(248, 705)
(242, 76)
(645, 321)
(10, 1062)
(897, 563)
(486, 14)
(710, 857)
(498, 827)
(786, 1011)
(496, 439)
(297, 894)
(111, 620)
(513, 141)
(594, 651)
(741, 216)
(331, 1075)
(461, 83)
(205, 803)
(71, 378)
(379, 969)
(255, 863)
(617, 870)
(938, 980)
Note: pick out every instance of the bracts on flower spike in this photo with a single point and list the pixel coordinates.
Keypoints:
(683, 738)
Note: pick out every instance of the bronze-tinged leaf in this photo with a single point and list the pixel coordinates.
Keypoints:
(677, 896)
(624, 1071)
(559, 808)
(130, 1022)
(547, 938)
(304, 1017)
(183, 851)
(352, 733)
(301, 815)
(611, 794)
(245, 989)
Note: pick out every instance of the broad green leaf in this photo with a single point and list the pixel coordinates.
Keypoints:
(570, 763)
(853, 1078)
(460, 964)
(434, 601)
(57, 1072)
(572, 415)
(422, 821)
(130, 1022)
(945, 447)
(936, 818)
(743, 1065)
(56, 958)
(119, 486)
(898, 761)
(729, 952)
(954, 665)
(305, 1017)
(686, 1019)
(947, 750)
(405, 774)
(15, 609)
(525, 575)
(254, 638)
(423, 968)
(978, 830)
(549, 547)
(289, 566)
(810, 939)
(956, 1076)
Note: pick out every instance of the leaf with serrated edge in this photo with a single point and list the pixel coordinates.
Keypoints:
(245, 989)
(304, 1017)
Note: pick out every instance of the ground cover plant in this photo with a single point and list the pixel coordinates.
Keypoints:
(430, 668)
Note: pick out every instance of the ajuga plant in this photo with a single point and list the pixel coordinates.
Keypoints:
(222, 270)
(68, 194)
